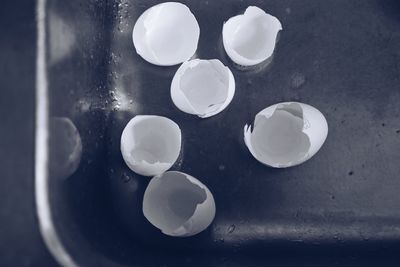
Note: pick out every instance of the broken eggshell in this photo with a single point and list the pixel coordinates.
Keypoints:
(178, 204)
(150, 145)
(286, 134)
(202, 87)
(166, 34)
(65, 147)
(250, 38)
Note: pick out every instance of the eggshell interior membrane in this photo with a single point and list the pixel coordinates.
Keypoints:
(286, 134)
(166, 34)
(202, 87)
(150, 145)
(250, 38)
(178, 204)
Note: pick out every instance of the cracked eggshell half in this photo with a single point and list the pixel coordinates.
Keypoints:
(202, 87)
(286, 134)
(178, 204)
(166, 34)
(250, 38)
(150, 145)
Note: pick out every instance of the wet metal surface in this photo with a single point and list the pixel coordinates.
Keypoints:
(343, 57)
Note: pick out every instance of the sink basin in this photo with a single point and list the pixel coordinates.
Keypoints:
(342, 57)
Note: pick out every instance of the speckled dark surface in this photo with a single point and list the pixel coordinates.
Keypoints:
(339, 208)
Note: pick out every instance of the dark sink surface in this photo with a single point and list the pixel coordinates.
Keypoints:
(341, 57)
(340, 208)
(346, 197)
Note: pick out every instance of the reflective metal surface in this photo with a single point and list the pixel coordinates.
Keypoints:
(342, 57)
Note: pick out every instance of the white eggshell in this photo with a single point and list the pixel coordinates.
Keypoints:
(178, 204)
(286, 134)
(202, 87)
(166, 34)
(150, 145)
(250, 38)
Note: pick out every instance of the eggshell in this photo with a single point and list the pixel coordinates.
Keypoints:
(65, 147)
(250, 38)
(178, 204)
(150, 145)
(286, 134)
(166, 34)
(202, 87)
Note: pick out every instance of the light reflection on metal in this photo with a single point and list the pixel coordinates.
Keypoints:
(61, 38)
(44, 215)
(317, 230)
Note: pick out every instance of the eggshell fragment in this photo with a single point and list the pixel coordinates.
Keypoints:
(178, 204)
(166, 34)
(202, 87)
(65, 147)
(150, 145)
(250, 38)
(286, 134)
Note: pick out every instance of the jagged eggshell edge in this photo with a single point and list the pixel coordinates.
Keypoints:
(315, 127)
(139, 32)
(182, 103)
(202, 217)
(144, 168)
(251, 12)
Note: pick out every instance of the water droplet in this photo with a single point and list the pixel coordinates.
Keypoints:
(219, 240)
(125, 178)
(298, 80)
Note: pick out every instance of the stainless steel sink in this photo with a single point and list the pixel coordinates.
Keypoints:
(342, 57)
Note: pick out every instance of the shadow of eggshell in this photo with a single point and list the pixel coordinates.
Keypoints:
(65, 149)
